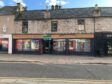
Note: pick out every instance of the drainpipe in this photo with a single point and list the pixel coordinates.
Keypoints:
(94, 36)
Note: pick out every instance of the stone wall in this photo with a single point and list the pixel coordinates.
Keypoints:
(64, 26)
(103, 24)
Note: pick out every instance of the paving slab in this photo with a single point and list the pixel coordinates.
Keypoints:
(56, 59)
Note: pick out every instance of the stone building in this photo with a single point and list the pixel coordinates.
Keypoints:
(57, 30)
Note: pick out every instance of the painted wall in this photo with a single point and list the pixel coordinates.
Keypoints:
(7, 24)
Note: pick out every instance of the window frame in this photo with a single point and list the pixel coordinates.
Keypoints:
(81, 22)
(25, 26)
(54, 26)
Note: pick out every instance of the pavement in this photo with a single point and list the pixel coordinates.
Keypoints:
(50, 81)
(55, 59)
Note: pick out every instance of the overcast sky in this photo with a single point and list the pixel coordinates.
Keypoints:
(41, 4)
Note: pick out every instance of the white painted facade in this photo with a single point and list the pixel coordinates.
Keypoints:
(9, 37)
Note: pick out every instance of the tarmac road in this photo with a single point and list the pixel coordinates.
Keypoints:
(75, 71)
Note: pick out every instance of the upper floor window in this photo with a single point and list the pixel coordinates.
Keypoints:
(25, 26)
(54, 26)
(81, 24)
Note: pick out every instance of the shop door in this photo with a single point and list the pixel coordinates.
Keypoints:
(109, 44)
(47, 46)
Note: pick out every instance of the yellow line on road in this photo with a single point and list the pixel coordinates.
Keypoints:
(58, 80)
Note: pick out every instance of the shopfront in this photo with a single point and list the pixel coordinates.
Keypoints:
(27, 44)
(80, 46)
(73, 44)
(59, 46)
(53, 43)
(5, 43)
(103, 43)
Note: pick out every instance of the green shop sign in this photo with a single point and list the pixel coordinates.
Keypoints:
(47, 37)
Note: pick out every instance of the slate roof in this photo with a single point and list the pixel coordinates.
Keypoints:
(72, 13)
(56, 14)
(8, 10)
(66, 13)
(106, 11)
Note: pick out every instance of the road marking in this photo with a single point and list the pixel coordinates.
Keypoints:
(58, 80)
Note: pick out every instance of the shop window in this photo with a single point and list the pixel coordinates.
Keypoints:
(19, 45)
(79, 45)
(59, 45)
(25, 26)
(72, 45)
(34, 45)
(54, 26)
(27, 45)
(4, 44)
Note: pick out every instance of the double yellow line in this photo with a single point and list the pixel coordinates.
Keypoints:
(59, 80)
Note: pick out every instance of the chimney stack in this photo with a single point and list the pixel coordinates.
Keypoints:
(96, 7)
(52, 7)
(56, 7)
(20, 8)
(96, 10)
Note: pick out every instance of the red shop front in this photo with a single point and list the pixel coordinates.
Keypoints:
(27, 44)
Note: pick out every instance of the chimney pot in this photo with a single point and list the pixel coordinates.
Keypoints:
(56, 7)
(52, 7)
(59, 7)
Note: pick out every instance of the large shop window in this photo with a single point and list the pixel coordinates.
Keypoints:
(27, 45)
(4, 44)
(59, 45)
(79, 45)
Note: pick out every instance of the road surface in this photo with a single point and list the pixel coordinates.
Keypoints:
(94, 72)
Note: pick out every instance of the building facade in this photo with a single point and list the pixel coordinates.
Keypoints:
(57, 31)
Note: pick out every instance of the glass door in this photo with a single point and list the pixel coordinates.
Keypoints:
(109, 43)
(47, 46)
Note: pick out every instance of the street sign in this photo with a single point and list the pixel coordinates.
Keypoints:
(47, 37)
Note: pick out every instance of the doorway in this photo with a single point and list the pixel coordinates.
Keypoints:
(4, 45)
(109, 45)
(47, 46)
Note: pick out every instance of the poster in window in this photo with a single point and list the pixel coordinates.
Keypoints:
(26, 45)
(59, 45)
(19, 44)
(5, 44)
(87, 46)
(78, 46)
(72, 45)
(34, 44)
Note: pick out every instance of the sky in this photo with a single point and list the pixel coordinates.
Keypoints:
(43, 4)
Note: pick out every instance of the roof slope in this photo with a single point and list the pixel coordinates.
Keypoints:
(8, 10)
(56, 14)
(66, 13)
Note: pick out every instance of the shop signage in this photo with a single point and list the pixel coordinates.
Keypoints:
(47, 37)
(4, 36)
